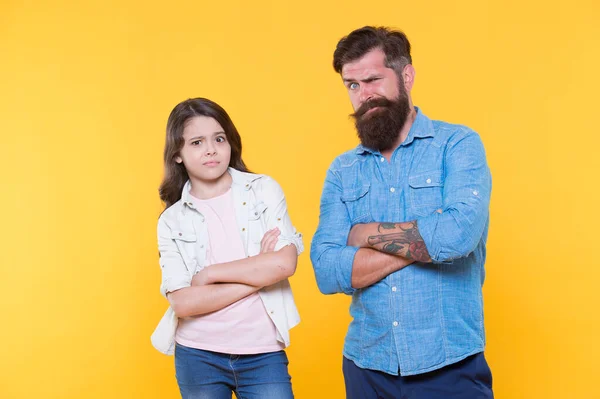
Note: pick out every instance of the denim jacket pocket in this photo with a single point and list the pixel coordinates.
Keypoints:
(358, 203)
(257, 211)
(426, 192)
(256, 222)
(186, 244)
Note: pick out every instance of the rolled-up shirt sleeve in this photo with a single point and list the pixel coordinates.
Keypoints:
(277, 216)
(331, 258)
(456, 231)
(174, 272)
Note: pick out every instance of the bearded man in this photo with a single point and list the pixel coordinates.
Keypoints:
(402, 229)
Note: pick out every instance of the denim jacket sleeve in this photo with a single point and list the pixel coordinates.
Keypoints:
(175, 274)
(456, 231)
(332, 260)
(277, 215)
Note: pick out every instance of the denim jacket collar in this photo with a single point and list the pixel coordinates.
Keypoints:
(241, 180)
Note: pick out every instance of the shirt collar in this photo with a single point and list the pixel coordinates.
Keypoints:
(421, 127)
(240, 179)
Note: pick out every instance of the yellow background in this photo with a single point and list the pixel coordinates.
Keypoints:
(85, 91)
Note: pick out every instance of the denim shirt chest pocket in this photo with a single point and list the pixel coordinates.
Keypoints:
(357, 201)
(186, 241)
(425, 192)
(257, 224)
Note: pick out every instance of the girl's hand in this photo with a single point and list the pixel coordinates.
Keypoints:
(201, 278)
(267, 244)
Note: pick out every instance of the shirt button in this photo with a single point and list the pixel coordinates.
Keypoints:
(272, 312)
(475, 192)
(395, 324)
(392, 189)
(180, 234)
(394, 289)
(202, 246)
(428, 181)
(243, 229)
(382, 159)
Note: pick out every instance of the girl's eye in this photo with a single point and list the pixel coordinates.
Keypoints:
(221, 139)
(196, 142)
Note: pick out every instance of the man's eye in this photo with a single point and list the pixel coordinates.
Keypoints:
(353, 86)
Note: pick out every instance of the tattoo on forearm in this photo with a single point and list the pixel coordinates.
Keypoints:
(386, 226)
(404, 241)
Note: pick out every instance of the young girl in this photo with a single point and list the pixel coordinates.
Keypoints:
(227, 247)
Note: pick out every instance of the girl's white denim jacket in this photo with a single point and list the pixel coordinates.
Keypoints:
(183, 237)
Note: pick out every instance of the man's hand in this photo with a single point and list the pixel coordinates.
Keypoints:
(359, 234)
(400, 239)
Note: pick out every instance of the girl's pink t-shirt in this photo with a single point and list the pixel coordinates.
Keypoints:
(244, 327)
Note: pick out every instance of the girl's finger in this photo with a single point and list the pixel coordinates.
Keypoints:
(270, 243)
(271, 233)
(267, 235)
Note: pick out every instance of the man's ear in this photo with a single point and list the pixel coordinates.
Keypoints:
(408, 77)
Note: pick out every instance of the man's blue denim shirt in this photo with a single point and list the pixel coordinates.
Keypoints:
(427, 315)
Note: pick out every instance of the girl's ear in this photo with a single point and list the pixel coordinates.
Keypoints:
(178, 159)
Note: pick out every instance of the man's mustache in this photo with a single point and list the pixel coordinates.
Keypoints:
(377, 102)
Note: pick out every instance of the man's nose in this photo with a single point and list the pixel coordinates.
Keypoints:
(365, 95)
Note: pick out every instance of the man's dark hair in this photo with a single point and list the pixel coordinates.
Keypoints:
(393, 43)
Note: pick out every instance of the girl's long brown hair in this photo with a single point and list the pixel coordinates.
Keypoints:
(175, 173)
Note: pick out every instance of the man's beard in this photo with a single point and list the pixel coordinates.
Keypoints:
(379, 130)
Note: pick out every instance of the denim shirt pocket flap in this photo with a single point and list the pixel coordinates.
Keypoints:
(356, 200)
(187, 236)
(426, 192)
(256, 212)
(427, 179)
(354, 194)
